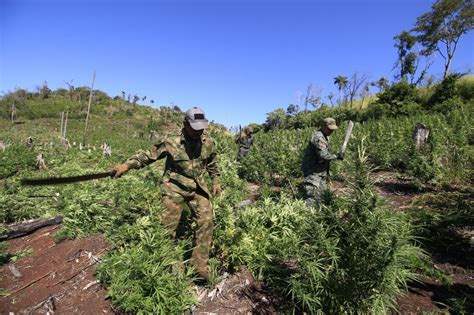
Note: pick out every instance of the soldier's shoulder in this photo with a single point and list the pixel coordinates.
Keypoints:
(207, 139)
(170, 137)
(318, 139)
(318, 135)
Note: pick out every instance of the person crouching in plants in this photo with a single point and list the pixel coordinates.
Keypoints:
(315, 163)
(189, 155)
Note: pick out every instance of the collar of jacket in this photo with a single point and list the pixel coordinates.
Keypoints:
(326, 137)
(203, 137)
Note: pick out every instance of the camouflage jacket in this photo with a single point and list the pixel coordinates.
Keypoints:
(187, 161)
(317, 156)
(245, 142)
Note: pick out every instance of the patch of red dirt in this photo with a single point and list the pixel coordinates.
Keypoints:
(55, 278)
(239, 293)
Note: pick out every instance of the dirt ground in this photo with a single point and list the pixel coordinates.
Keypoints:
(59, 278)
(55, 278)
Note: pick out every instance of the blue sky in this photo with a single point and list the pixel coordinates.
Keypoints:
(238, 60)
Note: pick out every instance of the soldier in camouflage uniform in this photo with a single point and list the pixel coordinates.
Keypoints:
(245, 142)
(189, 155)
(316, 163)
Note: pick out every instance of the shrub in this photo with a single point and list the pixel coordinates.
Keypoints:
(445, 90)
(399, 92)
(16, 158)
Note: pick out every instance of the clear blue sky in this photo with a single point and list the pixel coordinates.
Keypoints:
(238, 60)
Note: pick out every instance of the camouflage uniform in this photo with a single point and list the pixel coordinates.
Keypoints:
(183, 183)
(316, 168)
(245, 142)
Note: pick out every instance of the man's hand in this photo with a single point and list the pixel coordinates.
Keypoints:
(216, 190)
(340, 156)
(120, 170)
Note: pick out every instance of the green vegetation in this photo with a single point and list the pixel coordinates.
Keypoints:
(355, 255)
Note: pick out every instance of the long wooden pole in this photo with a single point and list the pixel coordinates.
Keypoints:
(88, 110)
(65, 125)
(62, 126)
(13, 110)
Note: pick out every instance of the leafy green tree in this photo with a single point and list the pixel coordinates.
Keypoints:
(441, 29)
(292, 109)
(404, 42)
(381, 84)
(408, 58)
(276, 119)
(341, 82)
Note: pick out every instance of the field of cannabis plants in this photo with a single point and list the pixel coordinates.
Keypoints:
(276, 155)
(353, 256)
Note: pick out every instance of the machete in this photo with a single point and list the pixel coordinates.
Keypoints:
(65, 180)
(348, 135)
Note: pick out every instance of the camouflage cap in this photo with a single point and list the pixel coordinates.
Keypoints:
(196, 118)
(330, 123)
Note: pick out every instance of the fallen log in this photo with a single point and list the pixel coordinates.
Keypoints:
(28, 227)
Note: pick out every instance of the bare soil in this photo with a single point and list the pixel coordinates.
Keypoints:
(55, 278)
(236, 294)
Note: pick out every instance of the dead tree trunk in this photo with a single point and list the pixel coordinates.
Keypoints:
(62, 127)
(88, 110)
(65, 126)
(40, 163)
(13, 112)
(28, 227)
(420, 135)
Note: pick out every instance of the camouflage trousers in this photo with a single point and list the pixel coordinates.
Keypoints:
(314, 187)
(174, 200)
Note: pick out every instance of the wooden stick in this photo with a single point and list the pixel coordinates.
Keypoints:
(62, 124)
(65, 125)
(31, 283)
(88, 110)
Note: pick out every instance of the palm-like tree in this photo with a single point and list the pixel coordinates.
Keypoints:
(382, 84)
(341, 82)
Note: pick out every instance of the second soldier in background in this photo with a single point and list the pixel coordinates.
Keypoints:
(316, 161)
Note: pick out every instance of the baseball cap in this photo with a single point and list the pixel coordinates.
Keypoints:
(196, 118)
(330, 123)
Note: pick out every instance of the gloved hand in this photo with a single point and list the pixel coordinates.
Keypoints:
(340, 156)
(216, 190)
(120, 170)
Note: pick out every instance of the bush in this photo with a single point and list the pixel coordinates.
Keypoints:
(144, 276)
(400, 92)
(465, 87)
(445, 90)
(16, 158)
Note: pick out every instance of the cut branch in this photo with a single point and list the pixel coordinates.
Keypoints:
(28, 227)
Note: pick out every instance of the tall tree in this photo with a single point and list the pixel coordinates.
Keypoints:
(356, 81)
(441, 29)
(381, 84)
(341, 82)
(404, 42)
(409, 58)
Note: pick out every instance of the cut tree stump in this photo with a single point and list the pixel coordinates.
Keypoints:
(28, 227)
(420, 135)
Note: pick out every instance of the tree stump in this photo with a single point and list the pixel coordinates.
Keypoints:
(106, 150)
(40, 164)
(420, 135)
(29, 142)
